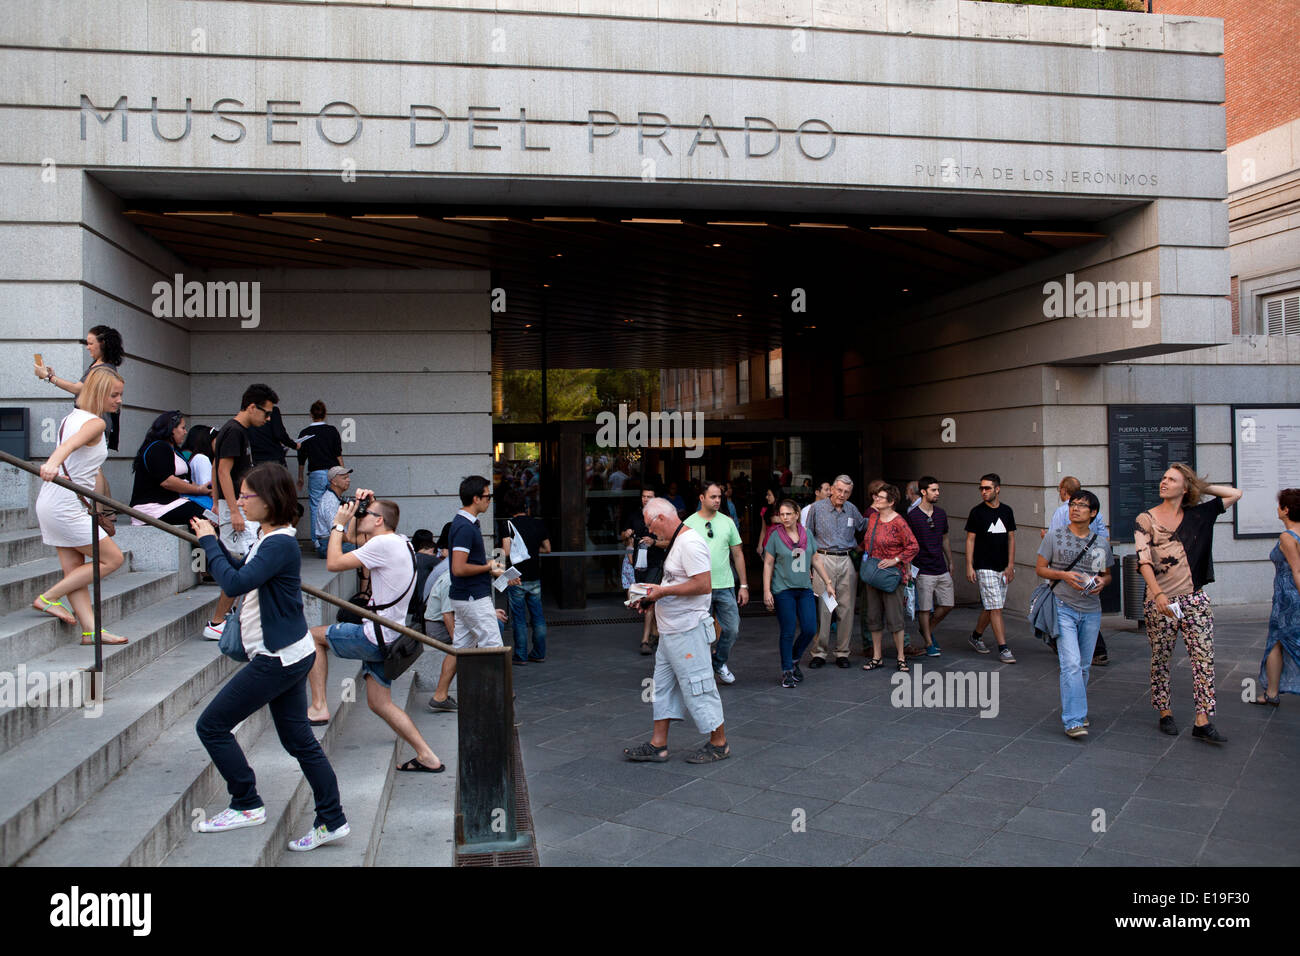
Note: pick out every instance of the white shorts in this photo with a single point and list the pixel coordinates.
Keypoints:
(237, 542)
(993, 589)
(476, 623)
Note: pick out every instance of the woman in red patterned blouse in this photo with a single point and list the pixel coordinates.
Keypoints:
(888, 539)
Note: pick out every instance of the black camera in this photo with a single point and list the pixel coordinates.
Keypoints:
(363, 507)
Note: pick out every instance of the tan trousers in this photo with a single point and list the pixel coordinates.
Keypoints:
(844, 579)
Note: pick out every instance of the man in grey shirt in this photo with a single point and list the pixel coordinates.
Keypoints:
(837, 525)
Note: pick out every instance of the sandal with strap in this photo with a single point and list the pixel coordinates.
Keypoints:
(87, 638)
(709, 753)
(46, 606)
(1275, 701)
(646, 751)
(902, 666)
(872, 664)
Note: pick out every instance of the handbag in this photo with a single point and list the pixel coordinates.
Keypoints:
(1042, 603)
(107, 520)
(401, 653)
(872, 574)
(232, 640)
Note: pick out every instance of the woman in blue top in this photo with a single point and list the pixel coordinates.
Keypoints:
(280, 654)
(1279, 671)
(787, 586)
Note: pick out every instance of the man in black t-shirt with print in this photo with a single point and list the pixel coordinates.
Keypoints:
(233, 458)
(991, 562)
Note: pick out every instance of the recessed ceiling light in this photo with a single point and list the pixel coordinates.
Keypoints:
(899, 228)
(817, 225)
(716, 245)
(662, 222)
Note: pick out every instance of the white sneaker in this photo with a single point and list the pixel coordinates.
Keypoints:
(212, 632)
(232, 819)
(725, 675)
(320, 836)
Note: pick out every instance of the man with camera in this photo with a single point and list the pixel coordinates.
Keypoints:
(391, 563)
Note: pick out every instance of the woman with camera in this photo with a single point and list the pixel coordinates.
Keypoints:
(280, 650)
(1174, 540)
(64, 516)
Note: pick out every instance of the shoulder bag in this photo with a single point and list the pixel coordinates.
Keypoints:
(872, 574)
(232, 640)
(105, 519)
(1042, 603)
(400, 654)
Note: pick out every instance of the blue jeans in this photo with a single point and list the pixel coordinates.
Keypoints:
(317, 482)
(728, 614)
(261, 682)
(1074, 647)
(792, 604)
(526, 601)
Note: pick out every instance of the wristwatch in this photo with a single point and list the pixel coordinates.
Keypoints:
(340, 529)
(744, 587)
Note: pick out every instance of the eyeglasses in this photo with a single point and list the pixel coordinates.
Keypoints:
(929, 521)
(266, 411)
(986, 487)
(486, 497)
(249, 495)
(708, 526)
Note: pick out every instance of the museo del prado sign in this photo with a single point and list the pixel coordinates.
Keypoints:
(339, 123)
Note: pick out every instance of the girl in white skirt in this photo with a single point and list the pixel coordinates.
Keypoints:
(64, 521)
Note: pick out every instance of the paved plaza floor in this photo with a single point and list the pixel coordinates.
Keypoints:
(832, 773)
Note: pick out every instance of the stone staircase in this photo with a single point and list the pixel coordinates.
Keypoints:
(121, 783)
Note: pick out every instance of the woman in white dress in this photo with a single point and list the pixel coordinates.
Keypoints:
(64, 521)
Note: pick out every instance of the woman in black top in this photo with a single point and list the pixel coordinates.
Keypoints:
(105, 347)
(162, 476)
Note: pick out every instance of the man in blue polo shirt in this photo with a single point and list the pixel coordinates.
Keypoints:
(471, 584)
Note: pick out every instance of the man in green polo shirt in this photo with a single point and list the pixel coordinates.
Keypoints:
(720, 532)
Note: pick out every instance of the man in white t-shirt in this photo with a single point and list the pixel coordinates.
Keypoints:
(684, 679)
(391, 562)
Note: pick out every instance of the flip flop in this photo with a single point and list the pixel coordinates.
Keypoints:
(414, 766)
(318, 723)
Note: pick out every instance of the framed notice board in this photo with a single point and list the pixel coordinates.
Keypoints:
(1265, 459)
(1144, 440)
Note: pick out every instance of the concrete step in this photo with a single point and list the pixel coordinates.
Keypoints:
(154, 631)
(20, 584)
(46, 779)
(281, 785)
(365, 757)
(147, 808)
(16, 519)
(419, 826)
(21, 546)
(26, 633)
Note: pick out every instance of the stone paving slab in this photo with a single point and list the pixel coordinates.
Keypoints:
(832, 773)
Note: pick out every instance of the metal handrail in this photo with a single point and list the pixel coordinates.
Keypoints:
(117, 506)
(485, 789)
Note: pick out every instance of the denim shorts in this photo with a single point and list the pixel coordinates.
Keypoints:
(350, 641)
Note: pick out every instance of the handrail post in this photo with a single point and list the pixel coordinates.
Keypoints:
(485, 788)
(97, 672)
